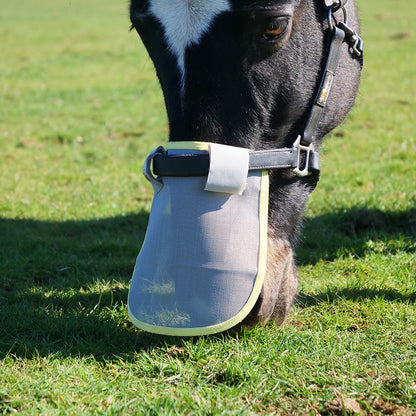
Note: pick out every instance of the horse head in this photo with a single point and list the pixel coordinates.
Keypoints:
(247, 73)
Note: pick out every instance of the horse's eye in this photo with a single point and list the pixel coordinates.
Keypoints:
(275, 29)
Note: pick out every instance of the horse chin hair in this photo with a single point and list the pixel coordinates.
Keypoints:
(279, 288)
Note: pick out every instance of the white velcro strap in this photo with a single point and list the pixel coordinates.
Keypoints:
(228, 169)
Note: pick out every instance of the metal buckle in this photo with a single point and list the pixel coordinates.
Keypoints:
(355, 41)
(308, 149)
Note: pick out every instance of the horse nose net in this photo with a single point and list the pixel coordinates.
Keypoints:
(202, 264)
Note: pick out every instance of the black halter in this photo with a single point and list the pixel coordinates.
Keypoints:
(301, 158)
(340, 32)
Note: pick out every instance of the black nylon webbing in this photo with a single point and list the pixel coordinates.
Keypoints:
(325, 87)
(198, 164)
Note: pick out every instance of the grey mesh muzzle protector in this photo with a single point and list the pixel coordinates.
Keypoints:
(202, 264)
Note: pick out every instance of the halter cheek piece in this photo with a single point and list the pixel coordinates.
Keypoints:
(301, 158)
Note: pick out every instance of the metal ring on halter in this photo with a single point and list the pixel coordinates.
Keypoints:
(335, 4)
(330, 17)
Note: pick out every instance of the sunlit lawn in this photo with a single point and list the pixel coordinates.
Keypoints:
(79, 109)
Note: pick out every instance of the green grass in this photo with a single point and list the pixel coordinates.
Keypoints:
(79, 109)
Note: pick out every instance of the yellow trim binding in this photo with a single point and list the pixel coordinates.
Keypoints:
(261, 267)
(187, 146)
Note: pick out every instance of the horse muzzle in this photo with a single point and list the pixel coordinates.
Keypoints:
(202, 265)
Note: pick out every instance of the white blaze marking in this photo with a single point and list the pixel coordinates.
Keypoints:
(185, 22)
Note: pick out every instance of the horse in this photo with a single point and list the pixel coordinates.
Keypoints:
(266, 75)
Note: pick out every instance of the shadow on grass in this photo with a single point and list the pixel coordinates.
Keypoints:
(64, 286)
(354, 294)
(356, 231)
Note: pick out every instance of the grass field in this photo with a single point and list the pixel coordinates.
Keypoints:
(79, 109)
